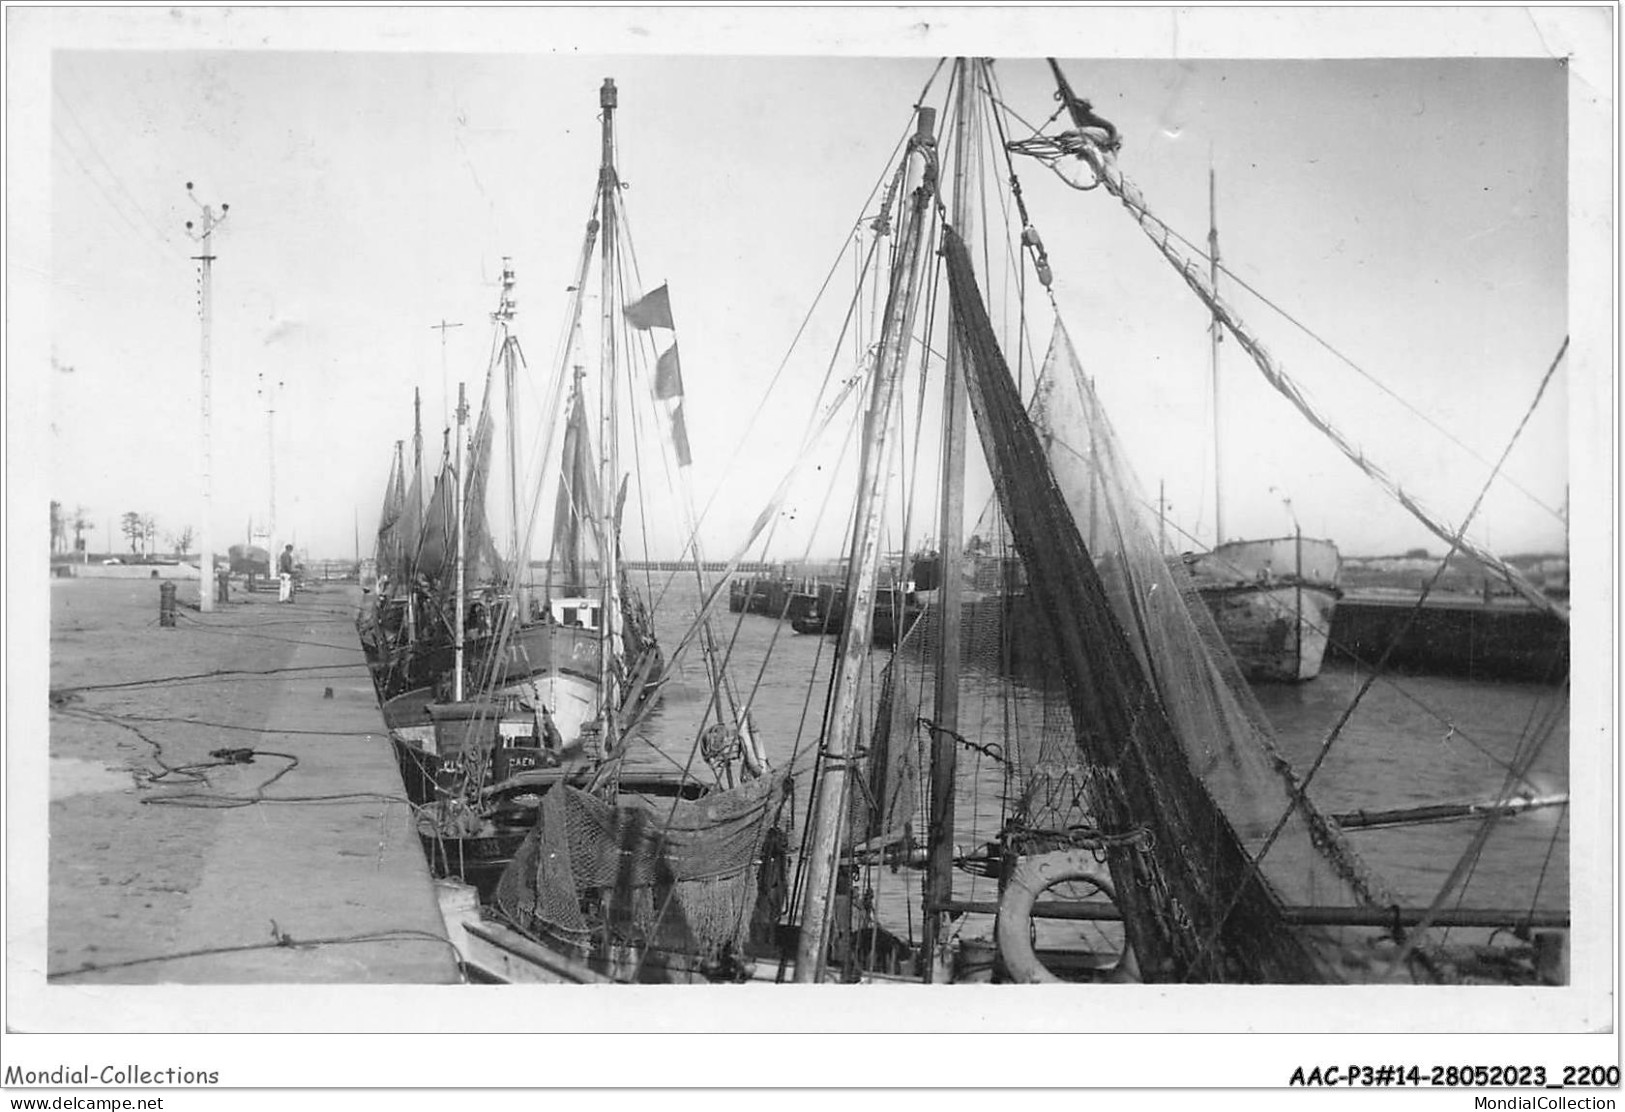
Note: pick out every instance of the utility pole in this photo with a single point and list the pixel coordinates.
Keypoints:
(269, 393)
(445, 398)
(205, 534)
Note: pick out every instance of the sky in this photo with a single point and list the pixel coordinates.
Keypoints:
(1412, 212)
(1398, 183)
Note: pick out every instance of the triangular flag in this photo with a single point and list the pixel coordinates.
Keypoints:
(668, 375)
(679, 437)
(652, 310)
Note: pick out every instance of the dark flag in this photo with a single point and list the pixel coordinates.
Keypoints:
(679, 437)
(668, 375)
(652, 310)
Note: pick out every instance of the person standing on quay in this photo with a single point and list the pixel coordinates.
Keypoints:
(284, 567)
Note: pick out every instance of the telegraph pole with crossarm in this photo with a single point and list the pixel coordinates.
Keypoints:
(203, 236)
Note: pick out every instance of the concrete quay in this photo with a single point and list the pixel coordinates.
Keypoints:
(172, 864)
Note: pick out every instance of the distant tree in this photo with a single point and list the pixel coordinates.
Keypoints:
(149, 534)
(59, 528)
(1416, 554)
(182, 541)
(133, 527)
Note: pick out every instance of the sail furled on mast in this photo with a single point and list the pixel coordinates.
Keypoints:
(410, 528)
(575, 514)
(483, 563)
(391, 547)
(651, 311)
(1194, 905)
(437, 546)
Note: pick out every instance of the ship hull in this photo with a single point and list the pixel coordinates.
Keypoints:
(543, 663)
(1273, 602)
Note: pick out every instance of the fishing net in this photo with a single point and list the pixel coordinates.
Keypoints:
(1229, 740)
(1173, 767)
(885, 796)
(681, 877)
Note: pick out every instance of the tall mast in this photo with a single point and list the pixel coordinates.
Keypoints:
(442, 327)
(415, 491)
(417, 446)
(457, 673)
(829, 800)
(1216, 330)
(510, 377)
(1100, 161)
(395, 555)
(938, 886)
(609, 473)
(578, 289)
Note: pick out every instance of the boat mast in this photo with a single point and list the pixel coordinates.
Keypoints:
(457, 672)
(1099, 159)
(609, 470)
(417, 440)
(510, 379)
(939, 877)
(578, 289)
(829, 800)
(410, 563)
(1216, 331)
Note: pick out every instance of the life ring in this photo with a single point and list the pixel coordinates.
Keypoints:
(1034, 876)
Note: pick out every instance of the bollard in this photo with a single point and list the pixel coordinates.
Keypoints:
(166, 605)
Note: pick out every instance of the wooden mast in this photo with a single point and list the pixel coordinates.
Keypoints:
(510, 386)
(578, 291)
(939, 877)
(609, 469)
(1216, 330)
(415, 491)
(829, 799)
(462, 562)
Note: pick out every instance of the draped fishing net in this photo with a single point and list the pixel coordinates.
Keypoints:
(681, 877)
(885, 794)
(1169, 757)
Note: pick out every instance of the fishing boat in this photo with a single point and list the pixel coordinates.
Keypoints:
(1273, 598)
(453, 586)
(1149, 826)
(526, 732)
(1273, 601)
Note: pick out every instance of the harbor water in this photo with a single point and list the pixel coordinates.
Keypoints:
(1413, 740)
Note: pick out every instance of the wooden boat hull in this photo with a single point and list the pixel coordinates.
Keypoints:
(544, 663)
(1273, 602)
(493, 953)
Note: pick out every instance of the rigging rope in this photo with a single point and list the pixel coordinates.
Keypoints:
(1100, 160)
(1367, 375)
(1521, 774)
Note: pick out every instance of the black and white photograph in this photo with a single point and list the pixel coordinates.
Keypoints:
(1045, 535)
